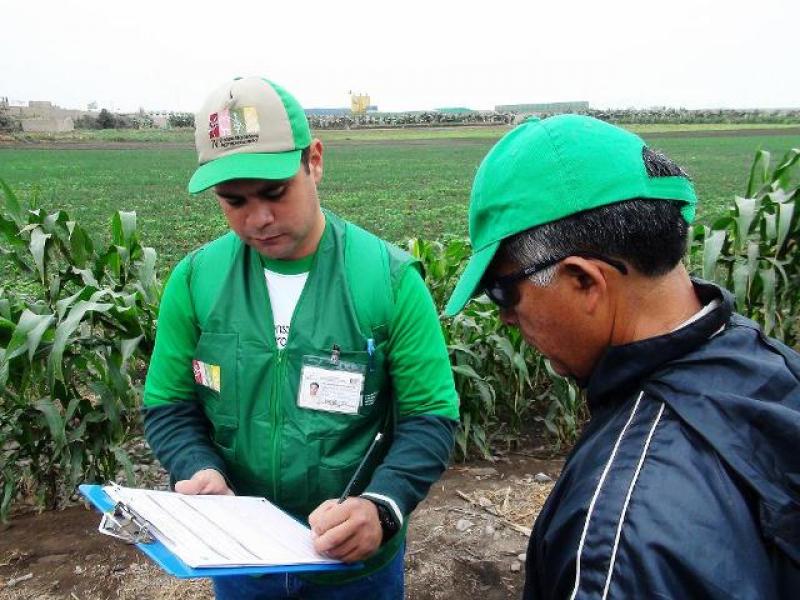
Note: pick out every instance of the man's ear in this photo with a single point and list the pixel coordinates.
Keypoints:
(588, 280)
(315, 163)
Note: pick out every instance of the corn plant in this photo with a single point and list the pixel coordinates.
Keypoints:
(68, 350)
(566, 409)
(500, 379)
(754, 250)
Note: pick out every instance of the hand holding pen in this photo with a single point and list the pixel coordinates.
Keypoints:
(348, 529)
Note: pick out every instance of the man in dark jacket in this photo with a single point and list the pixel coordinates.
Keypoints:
(686, 480)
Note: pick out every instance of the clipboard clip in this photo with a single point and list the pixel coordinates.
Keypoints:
(124, 524)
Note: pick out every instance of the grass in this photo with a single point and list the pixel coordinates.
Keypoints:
(398, 187)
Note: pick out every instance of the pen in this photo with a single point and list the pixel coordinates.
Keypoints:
(371, 353)
(349, 487)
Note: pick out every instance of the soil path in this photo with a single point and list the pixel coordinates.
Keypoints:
(12, 144)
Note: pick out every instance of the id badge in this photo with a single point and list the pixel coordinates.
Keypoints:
(331, 386)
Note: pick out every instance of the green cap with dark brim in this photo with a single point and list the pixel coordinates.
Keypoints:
(543, 171)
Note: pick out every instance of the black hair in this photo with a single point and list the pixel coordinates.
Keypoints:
(658, 165)
(648, 234)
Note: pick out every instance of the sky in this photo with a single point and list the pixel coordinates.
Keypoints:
(409, 55)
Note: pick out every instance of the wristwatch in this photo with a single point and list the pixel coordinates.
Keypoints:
(388, 522)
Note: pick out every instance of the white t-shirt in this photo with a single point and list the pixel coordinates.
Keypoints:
(284, 292)
(700, 314)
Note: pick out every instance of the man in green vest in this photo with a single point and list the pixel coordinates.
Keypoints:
(287, 345)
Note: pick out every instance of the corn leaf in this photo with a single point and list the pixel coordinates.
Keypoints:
(71, 408)
(5, 306)
(504, 345)
(487, 395)
(63, 304)
(768, 284)
(55, 422)
(110, 406)
(65, 329)
(466, 371)
(462, 348)
(12, 204)
(752, 261)
(37, 247)
(745, 214)
(741, 279)
(125, 461)
(76, 461)
(123, 228)
(28, 334)
(521, 366)
(782, 173)
(770, 228)
(87, 277)
(785, 215)
(147, 267)
(56, 223)
(128, 347)
(759, 173)
(712, 248)
(11, 232)
(81, 247)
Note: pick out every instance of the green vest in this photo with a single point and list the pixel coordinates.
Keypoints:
(296, 457)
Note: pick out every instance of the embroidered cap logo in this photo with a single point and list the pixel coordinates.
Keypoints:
(233, 127)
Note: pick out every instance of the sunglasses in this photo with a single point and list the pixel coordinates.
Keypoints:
(504, 291)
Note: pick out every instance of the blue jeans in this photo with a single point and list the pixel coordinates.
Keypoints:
(384, 584)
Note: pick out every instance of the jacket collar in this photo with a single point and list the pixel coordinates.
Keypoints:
(622, 368)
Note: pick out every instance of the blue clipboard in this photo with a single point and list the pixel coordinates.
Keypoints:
(170, 563)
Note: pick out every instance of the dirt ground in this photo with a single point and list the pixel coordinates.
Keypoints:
(466, 540)
(10, 141)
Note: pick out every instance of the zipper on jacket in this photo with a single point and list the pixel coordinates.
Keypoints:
(279, 379)
(276, 430)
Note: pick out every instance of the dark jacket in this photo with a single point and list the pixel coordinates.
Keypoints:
(686, 481)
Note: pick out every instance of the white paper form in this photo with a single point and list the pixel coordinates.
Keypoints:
(221, 531)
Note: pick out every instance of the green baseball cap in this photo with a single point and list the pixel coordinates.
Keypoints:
(248, 128)
(545, 170)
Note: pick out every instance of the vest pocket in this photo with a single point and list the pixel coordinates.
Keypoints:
(336, 460)
(216, 385)
(332, 481)
(223, 436)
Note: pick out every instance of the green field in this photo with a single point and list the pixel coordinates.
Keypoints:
(398, 183)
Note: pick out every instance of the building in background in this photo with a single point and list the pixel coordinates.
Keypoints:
(454, 110)
(42, 115)
(543, 107)
(328, 112)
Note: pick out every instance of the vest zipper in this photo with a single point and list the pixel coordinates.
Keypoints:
(276, 437)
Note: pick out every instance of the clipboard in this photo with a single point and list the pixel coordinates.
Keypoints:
(170, 563)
